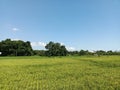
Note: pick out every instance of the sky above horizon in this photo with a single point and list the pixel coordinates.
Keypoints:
(78, 24)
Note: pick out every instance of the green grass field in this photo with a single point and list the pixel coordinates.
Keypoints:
(60, 73)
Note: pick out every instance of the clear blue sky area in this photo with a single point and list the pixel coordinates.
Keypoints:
(79, 24)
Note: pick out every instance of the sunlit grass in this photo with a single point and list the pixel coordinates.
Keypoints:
(60, 73)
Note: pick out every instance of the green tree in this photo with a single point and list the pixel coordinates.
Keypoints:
(82, 52)
(110, 52)
(101, 52)
(55, 49)
(15, 48)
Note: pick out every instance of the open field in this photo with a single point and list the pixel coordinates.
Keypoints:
(60, 73)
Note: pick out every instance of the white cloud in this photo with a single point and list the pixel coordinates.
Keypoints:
(33, 44)
(16, 39)
(70, 48)
(15, 29)
(41, 44)
(62, 44)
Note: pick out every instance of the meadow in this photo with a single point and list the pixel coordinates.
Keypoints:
(60, 73)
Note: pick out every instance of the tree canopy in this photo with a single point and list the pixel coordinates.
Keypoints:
(15, 48)
(55, 49)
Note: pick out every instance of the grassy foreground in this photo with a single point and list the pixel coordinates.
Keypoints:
(60, 73)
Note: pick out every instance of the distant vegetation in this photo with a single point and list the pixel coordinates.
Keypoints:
(9, 47)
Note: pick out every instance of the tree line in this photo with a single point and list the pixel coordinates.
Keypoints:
(9, 47)
(80, 53)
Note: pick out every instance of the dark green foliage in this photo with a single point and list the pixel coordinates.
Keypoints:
(39, 52)
(75, 53)
(55, 49)
(96, 53)
(101, 52)
(83, 52)
(15, 48)
(110, 52)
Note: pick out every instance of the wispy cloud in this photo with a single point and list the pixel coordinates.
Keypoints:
(15, 29)
(41, 44)
(12, 28)
(15, 39)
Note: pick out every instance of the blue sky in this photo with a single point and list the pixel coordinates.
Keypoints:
(78, 24)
